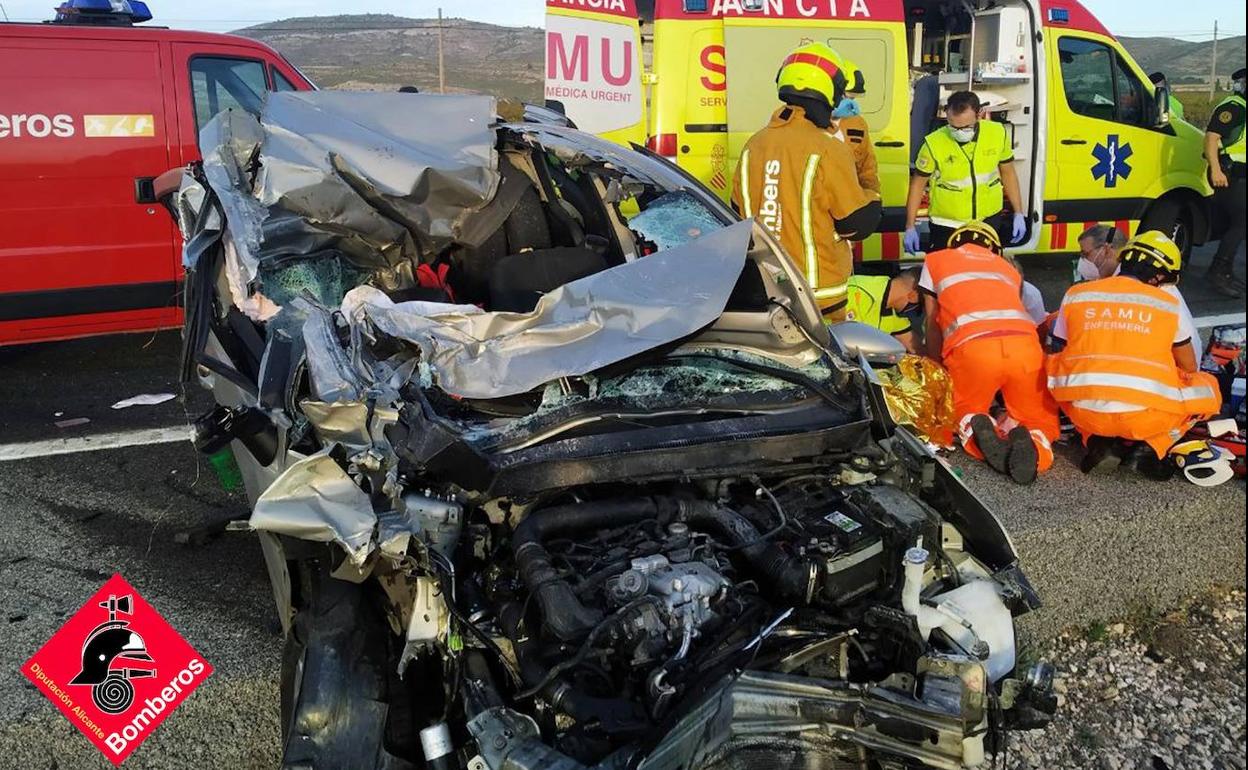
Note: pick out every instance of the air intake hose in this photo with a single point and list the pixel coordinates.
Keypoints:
(562, 612)
(794, 578)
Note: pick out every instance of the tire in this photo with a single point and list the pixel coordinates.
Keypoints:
(1173, 218)
(335, 680)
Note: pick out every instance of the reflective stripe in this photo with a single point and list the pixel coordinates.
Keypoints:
(832, 292)
(1122, 298)
(986, 315)
(960, 184)
(1105, 406)
(1142, 384)
(1167, 368)
(808, 231)
(745, 185)
(958, 278)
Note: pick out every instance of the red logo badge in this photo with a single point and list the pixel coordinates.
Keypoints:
(116, 669)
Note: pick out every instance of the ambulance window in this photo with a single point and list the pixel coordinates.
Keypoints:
(280, 83)
(1133, 99)
(1088, 77)
(220, 83)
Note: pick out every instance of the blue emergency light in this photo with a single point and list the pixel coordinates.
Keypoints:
(1059, 16)
(104, 12)
(696, 6)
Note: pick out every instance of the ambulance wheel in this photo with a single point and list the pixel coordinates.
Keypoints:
(1175, 220)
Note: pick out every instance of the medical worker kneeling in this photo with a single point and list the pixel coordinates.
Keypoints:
(1124, 367)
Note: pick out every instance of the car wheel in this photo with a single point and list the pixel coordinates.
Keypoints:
(335, 664)
(1175, 220)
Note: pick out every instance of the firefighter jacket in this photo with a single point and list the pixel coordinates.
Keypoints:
(854, 132)
(799, 182)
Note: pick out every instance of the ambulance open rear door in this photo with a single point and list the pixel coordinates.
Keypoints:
(594, 67)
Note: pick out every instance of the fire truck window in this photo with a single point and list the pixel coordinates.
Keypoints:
(1088, 77)
(220, 83)
(280, 83)
(1133, 99)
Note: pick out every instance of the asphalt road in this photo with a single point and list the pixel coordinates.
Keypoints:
(1096, 548)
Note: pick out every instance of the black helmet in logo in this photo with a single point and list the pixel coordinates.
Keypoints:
(110, 642)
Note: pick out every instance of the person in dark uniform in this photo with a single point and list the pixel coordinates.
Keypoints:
(1224, 149)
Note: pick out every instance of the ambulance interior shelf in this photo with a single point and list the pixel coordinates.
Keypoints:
(988, 47)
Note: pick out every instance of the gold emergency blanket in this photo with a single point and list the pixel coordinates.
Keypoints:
(919, 393)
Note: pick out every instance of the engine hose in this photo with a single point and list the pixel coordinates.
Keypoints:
(613, 714)
(793, 577)
(562, 612)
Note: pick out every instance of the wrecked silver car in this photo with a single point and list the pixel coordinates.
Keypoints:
(555, 466)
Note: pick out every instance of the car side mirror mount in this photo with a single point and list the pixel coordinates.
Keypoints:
(1161, 103)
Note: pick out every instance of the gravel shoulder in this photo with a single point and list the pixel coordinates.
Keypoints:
(1158, 692)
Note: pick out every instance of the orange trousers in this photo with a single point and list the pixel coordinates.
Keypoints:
(1160, 430)
(1012, 365)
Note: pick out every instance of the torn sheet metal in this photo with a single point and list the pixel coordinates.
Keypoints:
(384, 179)
(575, 329)
(425, 160)
(228, 144)
(315, 499)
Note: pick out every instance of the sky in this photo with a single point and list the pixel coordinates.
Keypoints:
(1135, 18)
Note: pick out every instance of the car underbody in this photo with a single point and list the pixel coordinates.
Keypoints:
(554, 464)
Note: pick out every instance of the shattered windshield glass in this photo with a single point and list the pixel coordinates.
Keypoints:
(702, 383)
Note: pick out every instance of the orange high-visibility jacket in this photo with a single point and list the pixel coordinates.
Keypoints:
(799, 182)
(855, 133)
(1119, 348)
(977, 293)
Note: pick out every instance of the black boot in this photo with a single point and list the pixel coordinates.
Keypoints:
(1023, 463)
(995, 450)
(1103, 453)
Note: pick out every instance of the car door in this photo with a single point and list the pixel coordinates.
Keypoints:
(1101, 134)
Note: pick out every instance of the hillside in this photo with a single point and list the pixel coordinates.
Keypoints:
(1184, 61)
(383, 52)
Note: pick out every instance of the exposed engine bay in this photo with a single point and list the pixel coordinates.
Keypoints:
(624, 506)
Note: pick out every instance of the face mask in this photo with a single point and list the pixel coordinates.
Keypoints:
(963, 135)
(1238, 87)
(1087, 270)
(846, 109)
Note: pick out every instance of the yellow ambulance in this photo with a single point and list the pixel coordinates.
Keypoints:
(1093, 138)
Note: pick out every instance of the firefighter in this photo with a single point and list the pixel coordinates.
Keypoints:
(885, 303)
(800, 183)
(1224, 150)
(969, 164)
(850, 127)
(979, 329)
(1124, 367)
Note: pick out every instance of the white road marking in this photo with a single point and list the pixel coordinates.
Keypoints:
(95, 443)
(1226, 319)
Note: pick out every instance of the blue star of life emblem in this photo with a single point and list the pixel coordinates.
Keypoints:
(1111, 160)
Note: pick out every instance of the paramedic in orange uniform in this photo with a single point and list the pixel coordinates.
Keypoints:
(1125, 367)
(978, 327)
(797, 180)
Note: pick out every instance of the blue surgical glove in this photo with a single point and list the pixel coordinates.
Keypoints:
(1020, 228)
(911, 241)
(848, 108)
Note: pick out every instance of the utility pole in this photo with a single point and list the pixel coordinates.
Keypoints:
(442, 73)
(1213, 74)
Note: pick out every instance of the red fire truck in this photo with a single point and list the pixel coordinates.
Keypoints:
(93, 107)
